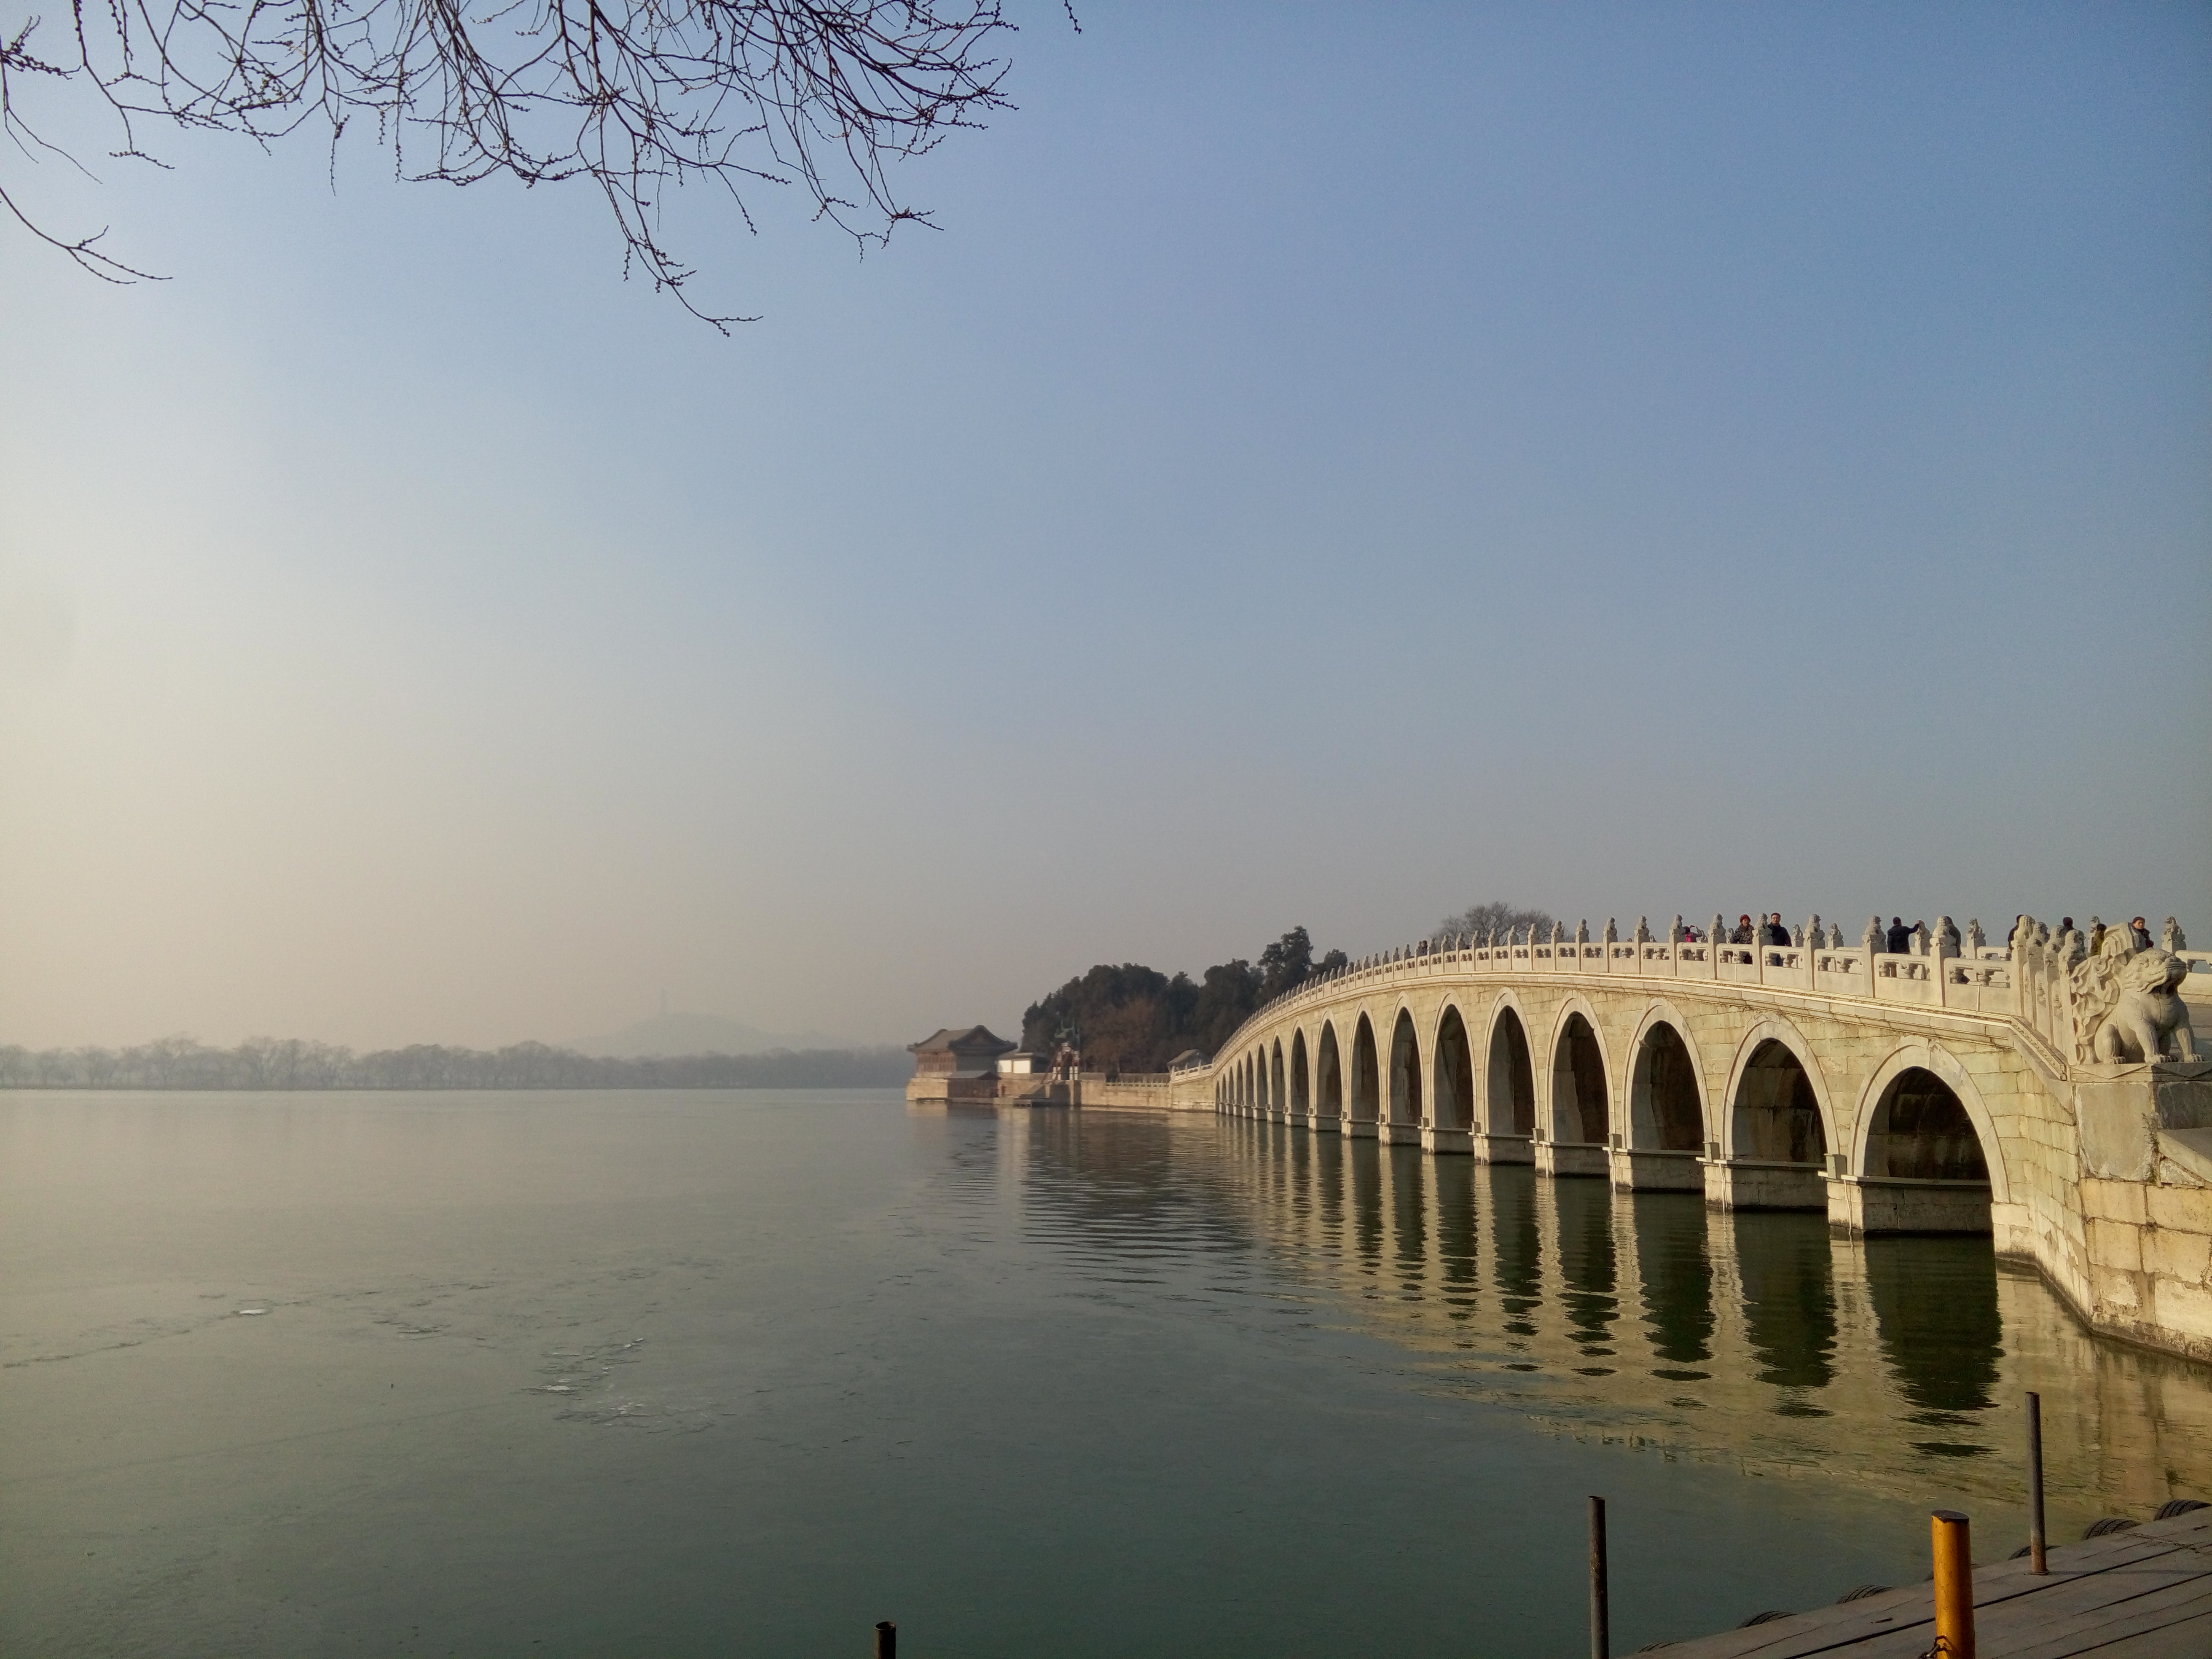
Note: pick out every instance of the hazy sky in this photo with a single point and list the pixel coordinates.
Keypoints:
(1330, 467)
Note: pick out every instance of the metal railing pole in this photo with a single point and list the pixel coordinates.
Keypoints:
(2037, 1562)
(1601, 1608)
(886, 1639)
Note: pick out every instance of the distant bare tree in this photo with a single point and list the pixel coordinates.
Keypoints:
(181, 1063)
(1482, 919)
(636, 95)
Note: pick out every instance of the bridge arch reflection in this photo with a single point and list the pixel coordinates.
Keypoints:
(1756, 1338)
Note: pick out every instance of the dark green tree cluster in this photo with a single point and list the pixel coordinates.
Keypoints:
(1135, 1018)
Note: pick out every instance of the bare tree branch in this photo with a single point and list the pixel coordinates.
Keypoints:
(640, 96)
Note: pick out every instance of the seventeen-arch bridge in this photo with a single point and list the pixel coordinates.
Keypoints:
(1967, 1088)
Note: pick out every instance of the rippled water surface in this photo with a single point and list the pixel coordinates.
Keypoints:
(698, 1373)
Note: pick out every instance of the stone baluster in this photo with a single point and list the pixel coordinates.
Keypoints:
(2170, 939)
(1872, 941)
(1976, 941)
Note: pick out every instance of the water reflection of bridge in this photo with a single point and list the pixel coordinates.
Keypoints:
(1754, 1337)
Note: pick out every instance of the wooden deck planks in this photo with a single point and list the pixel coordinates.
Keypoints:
(2192, 1640)
(2145, 1593)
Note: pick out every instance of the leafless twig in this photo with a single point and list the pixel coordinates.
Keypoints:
(637, 95)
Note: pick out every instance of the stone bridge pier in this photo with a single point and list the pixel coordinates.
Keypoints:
(2031, 1090)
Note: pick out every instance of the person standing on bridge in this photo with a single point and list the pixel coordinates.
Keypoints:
(1743, 935)
(1899, 939)
(1774, 932)
(2141, 930)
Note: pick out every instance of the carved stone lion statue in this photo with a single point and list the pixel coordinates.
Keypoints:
(2127, 1005)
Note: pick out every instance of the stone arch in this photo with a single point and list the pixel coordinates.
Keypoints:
(1278, 1096)
(1667, 1110)
(1581, 1108)
(1511, 1107)
(1937, 1064)
(1778, 1108)
(1252, 1084)
(1364, 1104)
(1328, 1074)
(1454, 1093)
(1406, 1095)
(1301, 1088)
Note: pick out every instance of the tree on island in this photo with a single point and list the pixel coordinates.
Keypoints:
(637, 99)
(1135, 1018)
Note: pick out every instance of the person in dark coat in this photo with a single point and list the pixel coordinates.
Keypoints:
(1899, 940)
(1743, 935)
(1774, 932)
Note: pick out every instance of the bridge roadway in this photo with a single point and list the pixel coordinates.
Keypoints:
(1956, 1091)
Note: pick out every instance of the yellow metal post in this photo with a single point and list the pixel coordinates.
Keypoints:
(1955, 1585)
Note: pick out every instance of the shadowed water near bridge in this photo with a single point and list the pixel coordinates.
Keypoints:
(1750, 1339)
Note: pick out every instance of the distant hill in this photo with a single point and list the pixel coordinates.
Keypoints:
(672, 1034)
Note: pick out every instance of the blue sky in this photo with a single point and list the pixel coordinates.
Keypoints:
(1322, 470)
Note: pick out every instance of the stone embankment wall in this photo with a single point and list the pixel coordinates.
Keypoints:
(1802, 1073)
(1126, 1092)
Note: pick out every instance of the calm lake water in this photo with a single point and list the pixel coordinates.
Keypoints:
(706, 1373)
